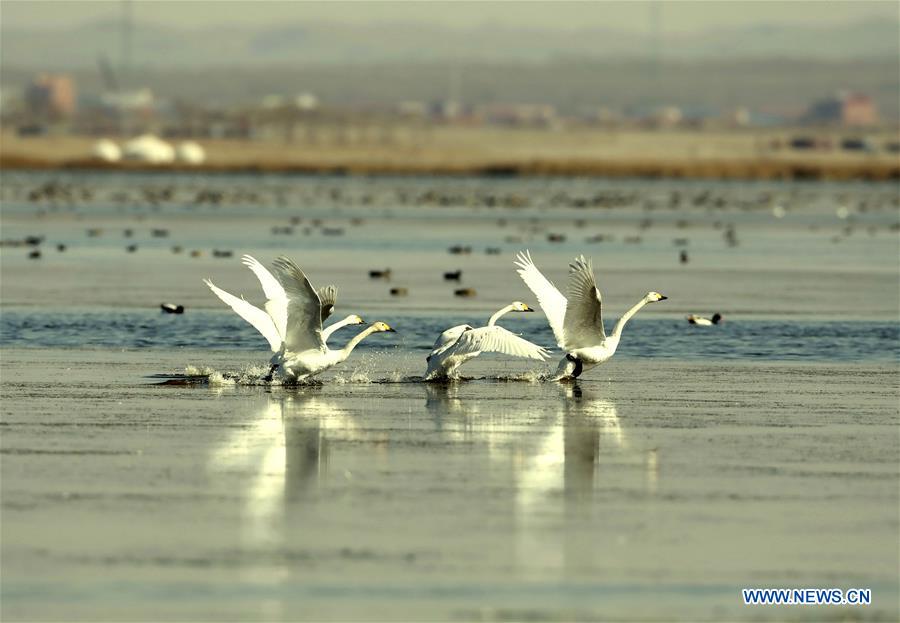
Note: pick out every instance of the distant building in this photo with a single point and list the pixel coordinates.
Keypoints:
(518, 114)
(149, 148)
(667, 116)
(136, 101)
(446, 109)
(412, 108)
(306, 101)
(107, 151)
(851, 109)
(51, 96)
(739, 117)
(190, 152)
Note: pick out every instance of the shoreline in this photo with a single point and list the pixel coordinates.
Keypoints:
(733, 169)
(494, 152)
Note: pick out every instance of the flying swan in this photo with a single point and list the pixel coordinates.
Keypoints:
(292, 320)
(577, 322)
(459, 344)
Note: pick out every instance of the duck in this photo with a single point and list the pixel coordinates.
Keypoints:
(704, 322)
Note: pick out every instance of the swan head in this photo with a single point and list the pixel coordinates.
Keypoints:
(519, 306)
(355, 319)
(382, 326)
(654, 297)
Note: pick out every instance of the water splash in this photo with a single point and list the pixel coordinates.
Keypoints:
(217, 379)
(355, 376)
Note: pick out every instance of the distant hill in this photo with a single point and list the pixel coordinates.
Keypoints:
(318, 43)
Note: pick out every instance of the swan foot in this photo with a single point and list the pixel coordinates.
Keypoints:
(569, 369)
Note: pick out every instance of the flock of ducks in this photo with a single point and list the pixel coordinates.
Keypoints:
(292, 320)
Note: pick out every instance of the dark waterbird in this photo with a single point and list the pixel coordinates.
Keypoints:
(704, 322)
(171, 308)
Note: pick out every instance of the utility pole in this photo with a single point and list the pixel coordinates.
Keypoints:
(125, 34)
(656, 51)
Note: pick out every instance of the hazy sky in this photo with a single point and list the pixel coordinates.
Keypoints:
(675, 16)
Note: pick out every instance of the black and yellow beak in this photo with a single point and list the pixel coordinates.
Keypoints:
(527, 308)
(662, 297)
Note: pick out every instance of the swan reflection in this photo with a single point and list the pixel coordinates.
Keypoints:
(469, 421)
(584, 459)
(307, 460)
(280, 457)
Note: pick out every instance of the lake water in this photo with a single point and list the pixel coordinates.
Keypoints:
(763, 452)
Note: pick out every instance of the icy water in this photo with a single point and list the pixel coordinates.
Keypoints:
(764, 452)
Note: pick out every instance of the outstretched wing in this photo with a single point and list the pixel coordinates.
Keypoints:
(260, 320)
(495, 339)
(584, 318)
(551, 300)
(328, 297)
(304, 309)
(276, 299)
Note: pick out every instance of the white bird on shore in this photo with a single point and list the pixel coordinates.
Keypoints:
(292, 320)
(459, 344)
(577, 322)
(704, 322)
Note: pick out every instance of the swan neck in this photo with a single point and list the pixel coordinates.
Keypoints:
(499, 314)
(359, 337)
(327, 331)
(617, 331)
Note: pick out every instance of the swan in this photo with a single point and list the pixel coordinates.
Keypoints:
(459, 344)
(704, 322)
(287, 311)
(272, 322)
(577, 323)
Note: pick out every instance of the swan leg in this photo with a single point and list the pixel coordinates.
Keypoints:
(569, 369)
(268, 378)
(579, 366)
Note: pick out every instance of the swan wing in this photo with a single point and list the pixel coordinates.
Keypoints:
(584, 318)
(304, 308)
(328, 297)
(495, 339)
(448, 338)
(260, 320)
(276, 299)
(549, 297)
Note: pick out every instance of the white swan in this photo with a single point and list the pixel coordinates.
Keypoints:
(704, 322)
(292, 320)
(459, 344)
(577, 322)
